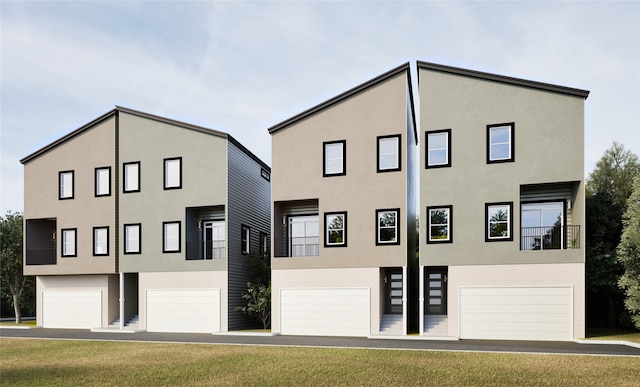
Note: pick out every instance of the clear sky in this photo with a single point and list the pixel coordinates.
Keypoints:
(241, 67)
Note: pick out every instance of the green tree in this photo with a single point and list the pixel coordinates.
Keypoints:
(614, 174)
(258, 294)
(11, 277)
(629, 254)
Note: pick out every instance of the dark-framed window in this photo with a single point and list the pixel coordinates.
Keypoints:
(66, 185)
(501, 143)
(133, 238)
(69, 244)
(245, 239)
(100, 241)
(173, 173)
(388, 226)
(171, 237)
(389, 153)
(335, 224)
(440, 224)
(131, 177)
(264, 243)
(265, 174)
(498, 221)
(438, 148)
(103, 181)
(334, 158)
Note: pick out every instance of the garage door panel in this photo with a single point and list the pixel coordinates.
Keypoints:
(183, 310)
(72, 309)
(517, 309)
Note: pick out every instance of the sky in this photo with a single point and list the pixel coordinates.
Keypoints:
(241, 67)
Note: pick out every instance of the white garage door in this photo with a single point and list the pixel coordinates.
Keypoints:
(72, 309)
(193, 310)
(325, 312)
(516, 313)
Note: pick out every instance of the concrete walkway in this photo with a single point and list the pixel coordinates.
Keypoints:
(347, 342)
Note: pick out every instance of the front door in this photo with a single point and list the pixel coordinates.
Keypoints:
(394, 291)
(213, 237)
(435, 290)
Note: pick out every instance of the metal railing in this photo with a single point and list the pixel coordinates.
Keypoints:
(550, 238)
(296, 247)
(206, 250)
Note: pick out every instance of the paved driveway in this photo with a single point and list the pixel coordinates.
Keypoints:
(347, 342)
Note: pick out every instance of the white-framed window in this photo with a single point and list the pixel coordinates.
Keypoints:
(173, 173)
(500, 143)
(304, 236)
(334, 158)
(498, 221)
(171, 237)
(389, 153)
(542, 226)
(69, 242)
(101, 241)
(387, 228)
(65, 185)
(439, 224)
(103, 181)
(438, 148)
(245, 239)
(131, 177)
(264, 243)
(335, 224)
(132, 238)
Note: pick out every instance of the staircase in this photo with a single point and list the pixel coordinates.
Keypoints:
(436, 325)
(131, 324)
(391, 325)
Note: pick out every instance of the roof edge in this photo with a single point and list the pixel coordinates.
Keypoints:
(340, 97)
(504, 79)
(172, 121)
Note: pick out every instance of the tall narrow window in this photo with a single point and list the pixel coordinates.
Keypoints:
(170, 237)
(335, 224)
(264, 243)
(65, 182)
(438, 146)
(132, 243)
(500, 144)
(103, 181)
(498, 221)
(245, 239)
(389, 153)
(173, 173)
(131, 177)
(439, 224)
(387, 230)
(69, 242)
(334, 158)
(101, 241)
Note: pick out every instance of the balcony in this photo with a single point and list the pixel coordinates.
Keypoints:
(296, 247)
(40, 241)
(550, 238)
(198, 250)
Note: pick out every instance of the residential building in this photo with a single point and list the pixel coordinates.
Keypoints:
(502, 207)
(344, 198)
(135, 216)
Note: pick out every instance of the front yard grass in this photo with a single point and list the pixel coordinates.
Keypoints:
(28, 362)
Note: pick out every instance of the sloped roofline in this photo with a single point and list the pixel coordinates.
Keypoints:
(138, 113)
(404, 68)
(504, 79)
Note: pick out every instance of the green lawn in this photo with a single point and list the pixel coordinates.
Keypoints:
(26, 362)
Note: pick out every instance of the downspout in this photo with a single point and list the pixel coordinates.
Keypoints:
(404, 301)
(121, 300)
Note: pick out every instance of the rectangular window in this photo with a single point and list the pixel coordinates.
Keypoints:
(438, 148)
(335, 224)
(103, 181)
(264, 243)
(173, 173)
(171, 237)
(542, 226)
(69, 242)
(132, 243)
(500, 143)
(265, 174)
(101, 241)
(245, 239)
(334, 158)
(131, 177)
(65, 189)
(439, 224)
(498, 221)
(387, 230)
(389, 153)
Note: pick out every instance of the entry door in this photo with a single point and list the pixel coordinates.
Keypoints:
(435, 290)
(213, 239)
(542, 226)
(394, 291)
(303, 236)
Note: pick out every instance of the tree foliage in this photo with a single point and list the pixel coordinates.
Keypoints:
(11, 277)
(614, 174)
(629, 254)
(258, 294)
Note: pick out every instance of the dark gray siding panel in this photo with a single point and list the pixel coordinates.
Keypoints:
(250, 205)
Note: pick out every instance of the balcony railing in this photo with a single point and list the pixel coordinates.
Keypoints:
(41, 255)
(296, 247)
(550, 238)
(205, 250)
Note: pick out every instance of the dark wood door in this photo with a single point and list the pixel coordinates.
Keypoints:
(435, 291)
(394, 291)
